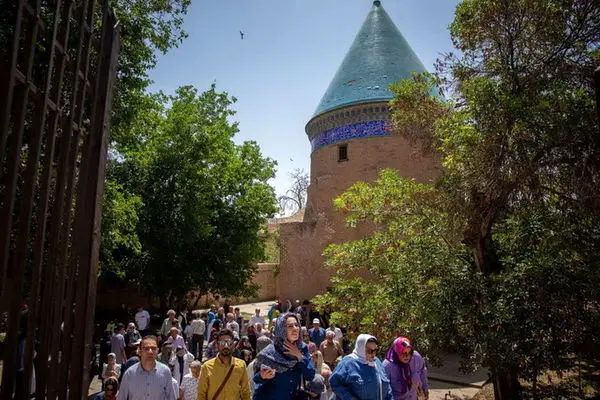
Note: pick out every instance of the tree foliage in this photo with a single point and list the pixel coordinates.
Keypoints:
(205, 199)
(499, 258)
(145, 27)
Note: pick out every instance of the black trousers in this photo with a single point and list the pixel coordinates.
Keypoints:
(197, 343)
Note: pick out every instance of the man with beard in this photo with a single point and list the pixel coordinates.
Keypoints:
(224, 377)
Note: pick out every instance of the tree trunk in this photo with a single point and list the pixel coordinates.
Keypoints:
(506, 384)
(163, 304)
(197, 301)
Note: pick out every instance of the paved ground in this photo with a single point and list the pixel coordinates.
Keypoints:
(445, 383)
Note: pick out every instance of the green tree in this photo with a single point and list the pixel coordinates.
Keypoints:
(499, 259)
(146, 27)
(205, 199)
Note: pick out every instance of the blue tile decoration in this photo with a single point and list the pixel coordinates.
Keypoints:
(379, 56)
(349, 132)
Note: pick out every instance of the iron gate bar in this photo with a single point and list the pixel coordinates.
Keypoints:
(37, 245)
(58, 372)
(91, 192)
(18, 265)
(12, 142)
(52, 264)
(56, 59)
(5, 116)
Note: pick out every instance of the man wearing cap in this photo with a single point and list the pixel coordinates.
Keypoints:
(148, 379)
(316, 333)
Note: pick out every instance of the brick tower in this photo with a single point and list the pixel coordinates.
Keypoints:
(350, 143)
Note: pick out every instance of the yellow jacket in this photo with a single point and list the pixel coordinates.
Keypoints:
(214, 372)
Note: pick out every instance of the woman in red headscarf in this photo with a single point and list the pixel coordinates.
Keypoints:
(406, 370)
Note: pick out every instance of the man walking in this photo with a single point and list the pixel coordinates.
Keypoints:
(317, 334)
(198, 326)
(147, 380)
(232, 325)
(142, 320)
(331, 350)
(257, 318)
(224, 377)
(117, 344)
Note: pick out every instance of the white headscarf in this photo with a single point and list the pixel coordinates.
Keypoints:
(360, 349)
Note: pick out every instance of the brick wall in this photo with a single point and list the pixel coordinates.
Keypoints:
(303, 274)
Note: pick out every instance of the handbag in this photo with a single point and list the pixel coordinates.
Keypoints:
(218, 392)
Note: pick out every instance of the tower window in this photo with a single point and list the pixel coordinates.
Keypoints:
(343, 152)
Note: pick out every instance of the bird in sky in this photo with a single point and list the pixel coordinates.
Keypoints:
(242, 35)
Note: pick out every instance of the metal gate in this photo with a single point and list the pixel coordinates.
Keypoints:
(56, 83)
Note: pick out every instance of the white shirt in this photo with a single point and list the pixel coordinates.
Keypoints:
(189, 387)
(257, 319)
(142, 319)
(338, 333)
(198, 326)
(234, 327)
(175, 386)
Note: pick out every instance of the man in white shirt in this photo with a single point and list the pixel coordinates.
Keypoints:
(198, 326)
(142, 320)
(338, 333)
(233, 326)
(257, 318)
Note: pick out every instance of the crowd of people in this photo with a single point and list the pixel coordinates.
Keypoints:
(292, 353)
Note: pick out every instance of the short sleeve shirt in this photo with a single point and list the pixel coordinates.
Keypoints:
(189, 387)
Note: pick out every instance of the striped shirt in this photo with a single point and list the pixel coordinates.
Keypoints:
(139, 384)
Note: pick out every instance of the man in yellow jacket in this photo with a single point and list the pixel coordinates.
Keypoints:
(224, 377)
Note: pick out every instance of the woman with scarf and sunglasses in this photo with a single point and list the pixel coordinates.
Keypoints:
(282, 364)
(406, 370)
(361, 375)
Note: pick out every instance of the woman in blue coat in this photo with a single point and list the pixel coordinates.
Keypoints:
(360, 375)
(283, 363)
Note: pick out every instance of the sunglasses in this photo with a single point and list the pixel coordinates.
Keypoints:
(225, 342)
(372, 351)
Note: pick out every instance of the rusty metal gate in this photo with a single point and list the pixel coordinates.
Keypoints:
(56, 80)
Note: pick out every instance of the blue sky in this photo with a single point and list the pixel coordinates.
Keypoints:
(290, 53)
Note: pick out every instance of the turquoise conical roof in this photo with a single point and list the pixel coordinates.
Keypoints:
(378, 57)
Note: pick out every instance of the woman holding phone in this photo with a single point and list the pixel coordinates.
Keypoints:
(284, 363)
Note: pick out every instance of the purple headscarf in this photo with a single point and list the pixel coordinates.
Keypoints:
(393, 355)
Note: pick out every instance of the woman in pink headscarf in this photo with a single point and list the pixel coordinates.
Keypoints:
(406, 370)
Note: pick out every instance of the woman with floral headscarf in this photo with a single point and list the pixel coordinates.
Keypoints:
(284, 363)
(406, 370)
(360, 375)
